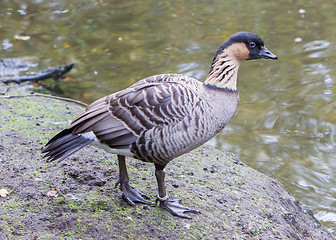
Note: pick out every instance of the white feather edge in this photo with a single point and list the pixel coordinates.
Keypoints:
(98, 144)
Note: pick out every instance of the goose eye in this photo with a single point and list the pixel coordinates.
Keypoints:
(252, 44)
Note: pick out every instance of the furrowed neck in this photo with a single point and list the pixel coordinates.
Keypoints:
(223, 71)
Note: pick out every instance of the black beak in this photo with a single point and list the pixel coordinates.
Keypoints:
(265, 53)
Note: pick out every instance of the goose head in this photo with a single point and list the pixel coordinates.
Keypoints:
(239, 47)
(247, 46)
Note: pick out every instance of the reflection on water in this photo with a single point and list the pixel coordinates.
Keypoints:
(286, 122)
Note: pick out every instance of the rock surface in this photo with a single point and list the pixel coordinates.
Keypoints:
(76, 198)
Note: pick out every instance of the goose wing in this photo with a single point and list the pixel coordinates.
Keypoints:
(122, 119)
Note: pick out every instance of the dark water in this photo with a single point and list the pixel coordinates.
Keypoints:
(286, 123)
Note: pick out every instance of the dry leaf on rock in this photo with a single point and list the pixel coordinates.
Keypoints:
(53, 193)
(3, 193)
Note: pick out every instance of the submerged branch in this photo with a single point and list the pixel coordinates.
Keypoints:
(55, 73)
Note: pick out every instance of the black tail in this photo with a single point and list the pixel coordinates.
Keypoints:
(64, 144)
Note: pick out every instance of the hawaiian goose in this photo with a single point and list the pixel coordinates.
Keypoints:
(162, 117)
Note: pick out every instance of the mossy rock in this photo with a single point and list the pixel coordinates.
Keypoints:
(76, 198)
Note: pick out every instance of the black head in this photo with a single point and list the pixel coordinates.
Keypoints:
(246, 46)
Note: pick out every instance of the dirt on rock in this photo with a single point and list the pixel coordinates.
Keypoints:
(77, 199)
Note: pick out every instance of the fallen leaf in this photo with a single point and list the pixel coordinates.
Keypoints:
(87, 95)
(3, 193)
(70, 79)
(53, 193)
(24, 38)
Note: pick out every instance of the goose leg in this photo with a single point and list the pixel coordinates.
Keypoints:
(130, 194)
(172, 206)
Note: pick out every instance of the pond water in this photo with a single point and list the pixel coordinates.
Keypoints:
(286, 122)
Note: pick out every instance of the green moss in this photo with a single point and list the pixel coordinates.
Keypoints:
(13, 205)
(46, 236)
(69, 235)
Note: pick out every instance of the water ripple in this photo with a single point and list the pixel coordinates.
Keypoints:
(316, 45)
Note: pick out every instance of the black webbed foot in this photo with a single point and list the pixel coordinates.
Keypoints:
(132, 195)
(175, 208)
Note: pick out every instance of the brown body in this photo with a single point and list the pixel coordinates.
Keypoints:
(162, 117)
(158, 118)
